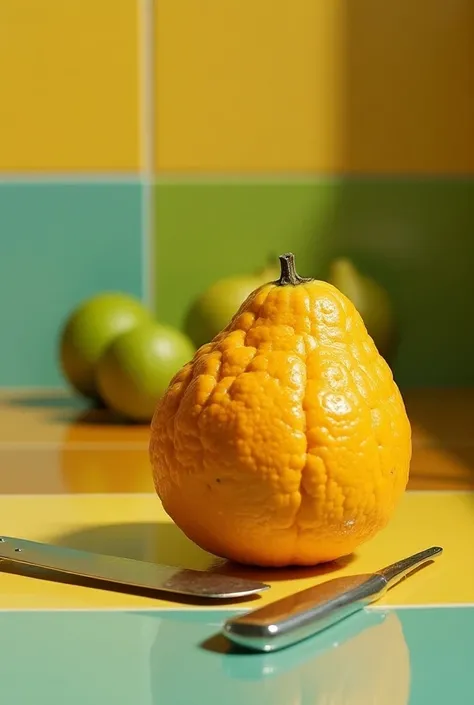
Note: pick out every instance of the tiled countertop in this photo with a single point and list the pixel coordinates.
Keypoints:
(70, 478)
(50, 442)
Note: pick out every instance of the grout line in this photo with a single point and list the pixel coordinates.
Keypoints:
(23, 391)
(70, 178)
(184, 178)
(143, 609)
(423, 606)
(146, 99)
(296, 178)
(19, 446)
(143, 448)
(446, 445)
(222, 608)
(204, 179)
(101, 443)
(147, 148)
(440, 491)
(82, 495)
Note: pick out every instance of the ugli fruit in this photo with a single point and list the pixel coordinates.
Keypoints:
(285, 440)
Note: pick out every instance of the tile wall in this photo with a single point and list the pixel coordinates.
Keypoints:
(155, 146)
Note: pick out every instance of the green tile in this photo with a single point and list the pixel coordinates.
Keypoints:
(60, 243)
(205, 231)
(414, 236)
(401, 657)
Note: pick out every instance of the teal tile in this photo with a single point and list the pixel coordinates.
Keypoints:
(440, 642)
(413, 235)
(60, 243)
(399, 657)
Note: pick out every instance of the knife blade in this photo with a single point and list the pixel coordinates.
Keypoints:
(127, 571)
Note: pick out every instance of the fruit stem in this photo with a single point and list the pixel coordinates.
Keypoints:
(288, 273)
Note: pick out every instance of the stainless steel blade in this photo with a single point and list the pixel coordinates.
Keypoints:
(127, 571)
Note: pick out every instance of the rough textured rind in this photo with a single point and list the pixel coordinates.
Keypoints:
(285, 440)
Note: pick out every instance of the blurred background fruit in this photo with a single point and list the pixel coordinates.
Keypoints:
(88, 331)
(138, 365)
(372, 302)
(215, 307)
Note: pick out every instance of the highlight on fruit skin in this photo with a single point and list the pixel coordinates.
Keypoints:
(285, 440)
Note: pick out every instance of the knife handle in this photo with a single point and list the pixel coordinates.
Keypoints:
(298, 616)
(303, 614)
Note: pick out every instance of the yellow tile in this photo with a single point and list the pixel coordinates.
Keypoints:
(87, 469)
(314, 86)
(247, 86)
(42, 416)
(69, 77)
(409, 104)
(442, 468)
(441, 416)
(135, 526)
(49, 443)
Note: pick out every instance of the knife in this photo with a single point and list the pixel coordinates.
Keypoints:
(127, 571)
(305, 613)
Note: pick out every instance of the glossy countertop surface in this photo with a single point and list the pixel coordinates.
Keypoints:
(76, 477)
(400, 657)
(51, 442)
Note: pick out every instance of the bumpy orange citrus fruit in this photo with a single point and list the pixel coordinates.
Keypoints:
(285, 439)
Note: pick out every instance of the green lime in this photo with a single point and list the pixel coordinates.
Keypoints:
(214, 308)
(89, 330)
(137, 367)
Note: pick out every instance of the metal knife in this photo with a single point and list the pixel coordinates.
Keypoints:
(305, 613)
(126, 571)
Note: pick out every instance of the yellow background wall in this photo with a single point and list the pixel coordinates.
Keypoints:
(138, 135)
(238, 86)
(312, 86)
